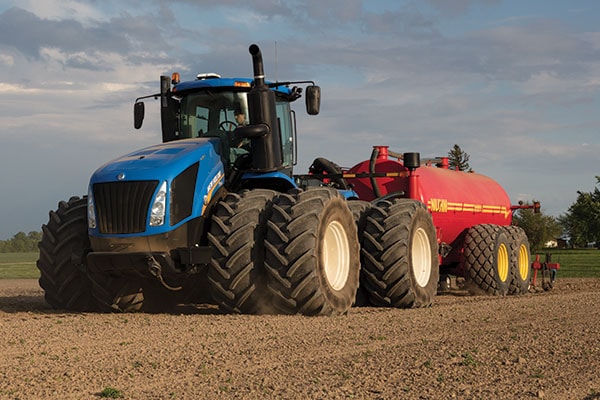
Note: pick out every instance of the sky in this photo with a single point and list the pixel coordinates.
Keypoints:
(516, 84)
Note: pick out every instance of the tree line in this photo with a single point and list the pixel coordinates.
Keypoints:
(21, 243)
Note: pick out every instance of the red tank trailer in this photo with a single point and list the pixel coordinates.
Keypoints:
(421, 223)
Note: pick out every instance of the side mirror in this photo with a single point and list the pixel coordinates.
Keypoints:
(313, 99)
(138, 114)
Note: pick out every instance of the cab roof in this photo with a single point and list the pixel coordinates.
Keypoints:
(226, 83)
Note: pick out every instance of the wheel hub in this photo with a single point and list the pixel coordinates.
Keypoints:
(421, 257)
(336, 252)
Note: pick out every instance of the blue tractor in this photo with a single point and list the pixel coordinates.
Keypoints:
(211, 215)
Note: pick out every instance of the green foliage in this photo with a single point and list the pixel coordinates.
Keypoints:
(21, 243)
(111, 393)
(468, 360)
(539, 228)
(458, 159)
(582, 221)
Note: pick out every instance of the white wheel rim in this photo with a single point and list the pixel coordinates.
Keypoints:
(336, 255)
(421, 257)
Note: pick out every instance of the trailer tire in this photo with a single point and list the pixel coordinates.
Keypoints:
(236, 272)
(63, 273)
(487, 260)
(312, 253)
(400, 265)
(519, 260)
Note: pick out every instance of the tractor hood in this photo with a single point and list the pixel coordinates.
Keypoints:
(178, 179)
(160, 162)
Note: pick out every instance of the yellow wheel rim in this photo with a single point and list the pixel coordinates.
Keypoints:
(502, 262)
(523, 262)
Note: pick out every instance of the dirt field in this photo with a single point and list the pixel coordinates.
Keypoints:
(544, 346)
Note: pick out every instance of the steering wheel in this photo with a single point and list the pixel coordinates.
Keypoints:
(227, 126)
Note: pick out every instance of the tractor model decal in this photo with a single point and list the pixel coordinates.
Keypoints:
(216, 181)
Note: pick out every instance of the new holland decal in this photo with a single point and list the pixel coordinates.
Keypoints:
(214, 182)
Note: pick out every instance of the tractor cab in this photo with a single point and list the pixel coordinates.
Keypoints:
(218, 113)
(215, 107)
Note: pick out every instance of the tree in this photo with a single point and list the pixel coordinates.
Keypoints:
(21, 242)
(538, 227)
(459, 159)
(582, 221)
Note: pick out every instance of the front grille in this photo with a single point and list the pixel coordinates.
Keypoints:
(122, 207)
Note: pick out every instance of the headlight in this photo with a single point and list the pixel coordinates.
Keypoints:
(91, 209)
(157, 213)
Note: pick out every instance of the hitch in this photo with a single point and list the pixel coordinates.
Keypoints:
(156, 270)
(548, 269)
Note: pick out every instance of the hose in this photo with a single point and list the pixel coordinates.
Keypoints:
(372, 163)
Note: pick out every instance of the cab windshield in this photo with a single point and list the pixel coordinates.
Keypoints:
(210, 114)
(218, 113)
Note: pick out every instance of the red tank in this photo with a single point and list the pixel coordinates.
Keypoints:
(457, 200)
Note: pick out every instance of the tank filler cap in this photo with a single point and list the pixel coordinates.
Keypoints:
(207, 75)
(412, 161)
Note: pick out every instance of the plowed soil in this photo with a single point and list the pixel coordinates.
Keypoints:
(543, 345)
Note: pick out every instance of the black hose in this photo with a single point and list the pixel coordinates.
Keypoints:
(372, 163)
(321, 165)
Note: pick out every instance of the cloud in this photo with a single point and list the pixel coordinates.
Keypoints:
(62, 9)
(6, 60)
(84, 44)
(68, 35)
(458, 7)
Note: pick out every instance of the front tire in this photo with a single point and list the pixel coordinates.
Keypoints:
(63, 273)
(312, 253)
(400, 265)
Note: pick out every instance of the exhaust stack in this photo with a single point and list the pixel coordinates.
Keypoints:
(264, 132)
(257, 64)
